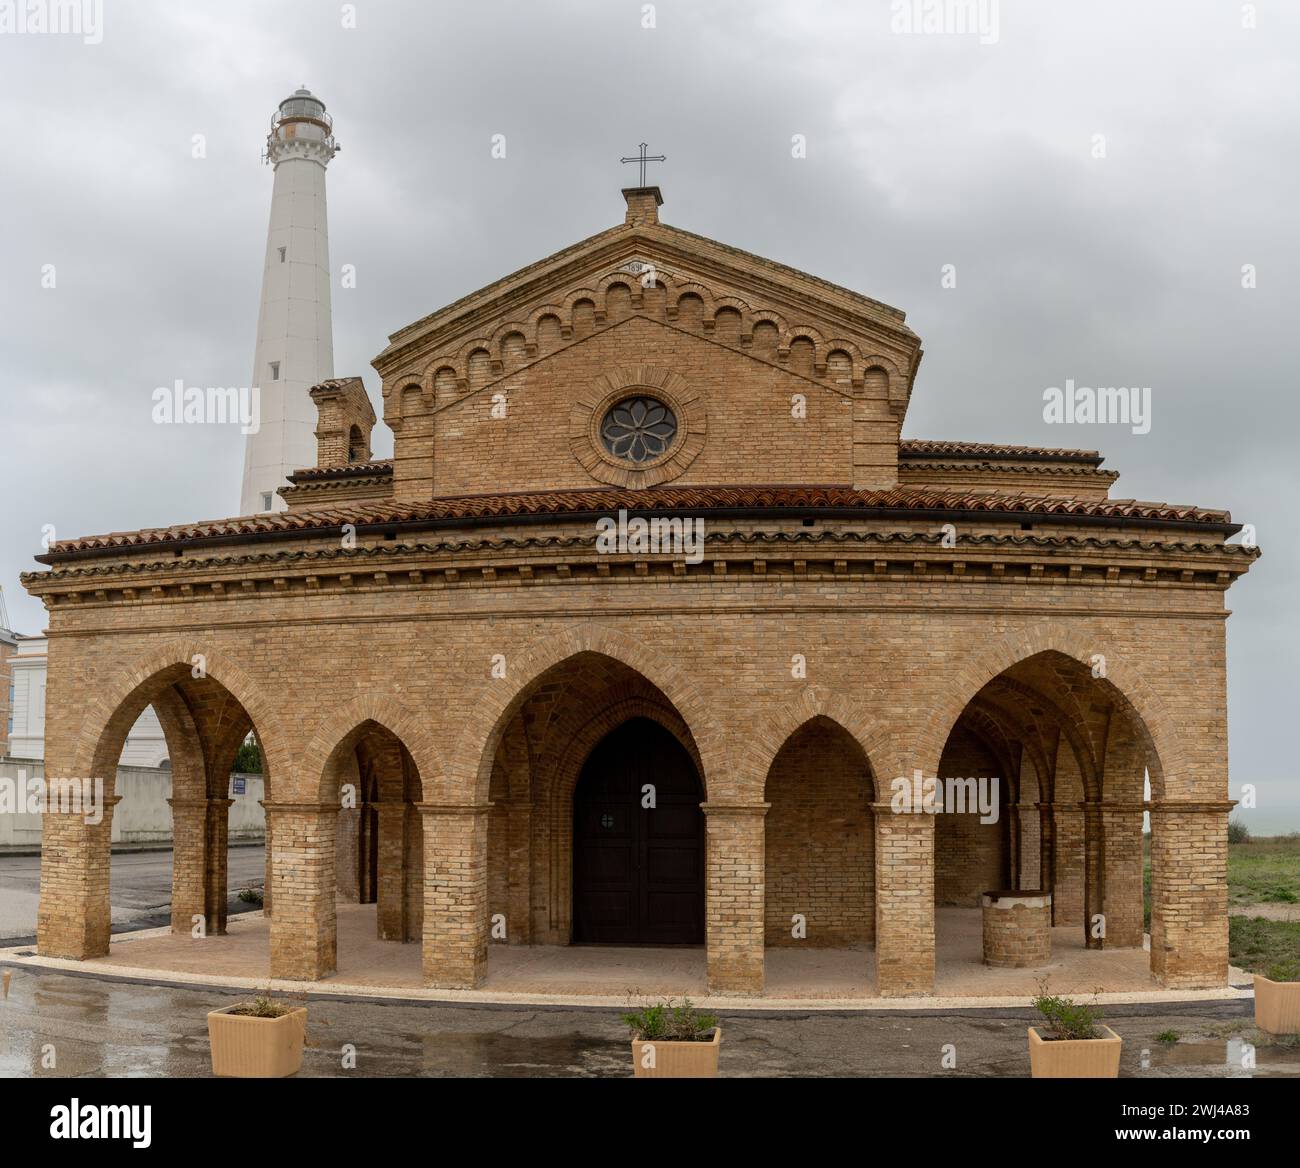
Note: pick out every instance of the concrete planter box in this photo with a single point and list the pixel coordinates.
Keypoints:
(256, 1048)
(678, 1060)
(1277, 1006)
(1075, 1058)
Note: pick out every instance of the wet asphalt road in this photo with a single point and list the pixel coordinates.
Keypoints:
(140, 888)
(94, 1027)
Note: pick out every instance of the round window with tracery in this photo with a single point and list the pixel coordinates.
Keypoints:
(639, 429)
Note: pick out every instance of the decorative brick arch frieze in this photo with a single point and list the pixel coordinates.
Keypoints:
(110, 705)
(673, 289)
(469, 769)
(311, 781)
(1122, 682)
(770, 737)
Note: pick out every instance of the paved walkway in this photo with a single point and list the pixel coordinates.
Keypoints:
(796, 978)
(96, 1027)
(140, 887)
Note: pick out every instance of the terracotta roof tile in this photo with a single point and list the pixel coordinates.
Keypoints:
(927, 447)
(526, 506)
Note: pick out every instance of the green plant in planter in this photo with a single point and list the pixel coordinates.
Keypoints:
(1066, 1018)
(262, 1006)
(666, 1022)
(1283, 971)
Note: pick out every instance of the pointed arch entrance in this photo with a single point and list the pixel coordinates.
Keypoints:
(638, 841)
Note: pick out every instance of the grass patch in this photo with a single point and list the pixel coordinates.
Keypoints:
(1260, 871)
(1256, 945)
(1265, 871)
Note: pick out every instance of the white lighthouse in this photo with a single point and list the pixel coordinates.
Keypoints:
(295, 339)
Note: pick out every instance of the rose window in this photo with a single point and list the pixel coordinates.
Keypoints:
(639, 429)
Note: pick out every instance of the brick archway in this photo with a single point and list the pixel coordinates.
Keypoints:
(114, 704)
(1123, 683)
(813, 702)
(203, 718)
(561, 783)
(470, 766)
(336, 727)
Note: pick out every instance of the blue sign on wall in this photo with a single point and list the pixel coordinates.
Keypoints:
(239, 785)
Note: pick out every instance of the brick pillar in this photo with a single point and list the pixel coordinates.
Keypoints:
(301, 870)
(1092, 874)
(904, 902)
(1031, 858)
(1121, 895)
(413, 888)
(734, 896)
(1046, 849)
(1067, 864)
(216, 891)
(367, 829)
(1189, 893)
(1014, 844)
(410, 416)
(73, 918)
(347, 864)
(189, 863)
(390, 891)
(455, 895)
(266, 859)
(519, 910)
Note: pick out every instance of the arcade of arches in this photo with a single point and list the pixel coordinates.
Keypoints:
(493, 711)
(599, 827)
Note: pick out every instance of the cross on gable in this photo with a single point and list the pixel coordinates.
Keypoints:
(643, 158)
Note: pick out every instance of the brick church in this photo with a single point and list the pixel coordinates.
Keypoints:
(500, 731)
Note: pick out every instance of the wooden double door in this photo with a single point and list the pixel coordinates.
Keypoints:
(638, 871)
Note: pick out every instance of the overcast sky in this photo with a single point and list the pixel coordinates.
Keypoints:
(922, 151)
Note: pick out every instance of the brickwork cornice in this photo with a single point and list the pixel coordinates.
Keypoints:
(556, 559)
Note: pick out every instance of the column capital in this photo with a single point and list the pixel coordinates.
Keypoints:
(302, 808)
(1191, 807)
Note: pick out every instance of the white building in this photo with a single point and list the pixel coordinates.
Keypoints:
(295, 338)
(145, 745)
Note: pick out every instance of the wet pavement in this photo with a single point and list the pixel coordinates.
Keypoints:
(60, 1024)
(140, 888)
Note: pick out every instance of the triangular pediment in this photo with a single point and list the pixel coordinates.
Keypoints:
(764, 309)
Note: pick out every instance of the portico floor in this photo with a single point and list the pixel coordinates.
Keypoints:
(599, 975)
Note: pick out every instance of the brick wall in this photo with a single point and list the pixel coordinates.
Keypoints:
(970, 857)
(820, 858)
